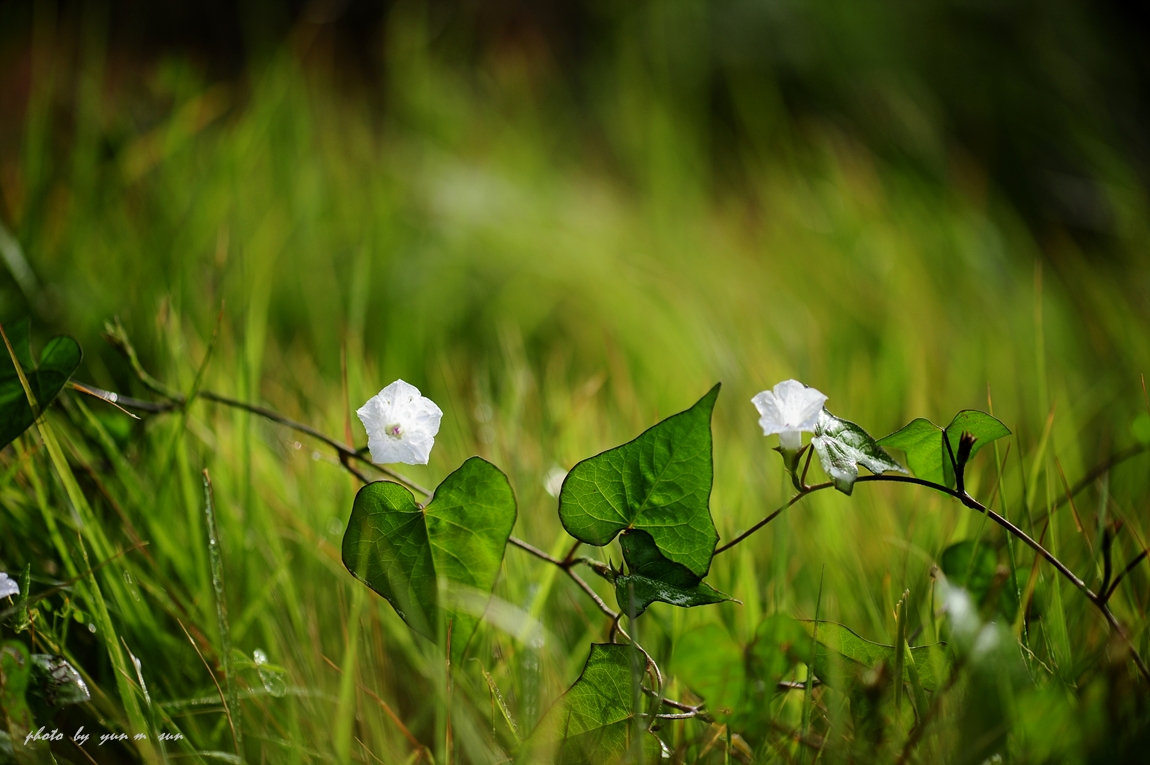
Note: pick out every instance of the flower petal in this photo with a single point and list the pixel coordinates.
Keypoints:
(401, 424)
(8, 586)
(790, 406)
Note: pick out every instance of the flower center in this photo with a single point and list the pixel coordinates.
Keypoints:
(394, 431)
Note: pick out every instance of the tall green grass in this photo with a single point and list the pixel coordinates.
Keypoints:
(555, 288)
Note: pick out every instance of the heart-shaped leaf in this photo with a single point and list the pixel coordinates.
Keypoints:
(59, 359)
(430, 562)
(922, 442)
(842, 446)
(659, 483)
(651, 576)
(594, 722)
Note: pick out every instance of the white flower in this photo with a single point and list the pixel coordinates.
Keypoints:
(401, 424)
(789, 410)
(553, 481)
(8, 586)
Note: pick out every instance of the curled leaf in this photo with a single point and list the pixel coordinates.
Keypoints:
(842, 446)
(926, 453)
(652, 577)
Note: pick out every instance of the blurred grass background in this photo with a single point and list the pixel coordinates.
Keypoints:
(563, 224)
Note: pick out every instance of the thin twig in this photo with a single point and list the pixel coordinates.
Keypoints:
(771, 517)
(1098, 601)
(1118, 579)
(606, 609)
(535, 551)
(345, 453)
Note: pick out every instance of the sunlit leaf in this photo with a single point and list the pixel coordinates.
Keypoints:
(842, 446)
(59, 359)
(652, 577)
(922, 442)
(659, 483)
(418, 558)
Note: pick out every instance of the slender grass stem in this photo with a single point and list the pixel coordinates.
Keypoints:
(217, 564)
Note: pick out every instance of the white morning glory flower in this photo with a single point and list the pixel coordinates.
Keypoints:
(401, 424)
(8, 586)
(790, 409)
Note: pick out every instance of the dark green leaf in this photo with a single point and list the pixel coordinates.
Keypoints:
(928, 457)
(651, 576)
(837, 642)
(659, 483)
(594, 722)
(59, 359)
(58, 681)
(842, 446)
(431, 563)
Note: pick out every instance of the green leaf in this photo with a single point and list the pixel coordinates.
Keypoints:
(15, 679)
(780, 643)
(985, 428)
(59, 359)
(921, 441)
(54, 683)
(651, 577)
(709, 662)
(842, 446)
(837, 642)
(430, 562)
(659, 483)
(594, 721)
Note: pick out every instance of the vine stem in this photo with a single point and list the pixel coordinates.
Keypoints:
(173, 400)
(347, 454)
(1099, 601)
